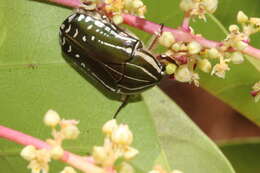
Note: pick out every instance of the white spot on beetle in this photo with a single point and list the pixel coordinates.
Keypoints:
(77, 56)
(92, 38)
(62, 26)
(99, 24)
(68, 30)
(69, 49)
(87, 19)
(71, 17)
(89, 27)
(81, 17)
(83, 65)
(128, 50)
(63, 41)
(76, 33)
(84, 38)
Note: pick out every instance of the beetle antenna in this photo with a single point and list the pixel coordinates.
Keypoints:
(125, 101)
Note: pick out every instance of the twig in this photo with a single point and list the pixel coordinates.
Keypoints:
(74, 160)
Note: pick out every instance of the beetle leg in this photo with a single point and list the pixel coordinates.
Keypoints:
(153, 41)
(124, 103)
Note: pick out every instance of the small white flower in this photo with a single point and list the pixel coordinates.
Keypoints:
(57, 152)
(194, 47)
(28, 152)
(183, 74)
(122, 135)
(242, 17)
(68, 169)
(70, 132)
(166, 39)
(109, 126)
(51, 118)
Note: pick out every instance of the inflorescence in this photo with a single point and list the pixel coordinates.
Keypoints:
(112, 157)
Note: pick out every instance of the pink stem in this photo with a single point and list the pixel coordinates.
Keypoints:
(67, 3)
(186, 23)
(69, 158)
(152, 28)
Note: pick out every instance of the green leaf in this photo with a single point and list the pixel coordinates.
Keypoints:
(243, 154)
(34, 78)
(176, 139)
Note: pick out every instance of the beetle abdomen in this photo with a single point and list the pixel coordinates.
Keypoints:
(110, 55)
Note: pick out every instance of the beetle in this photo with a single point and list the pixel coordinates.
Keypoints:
(112, 56)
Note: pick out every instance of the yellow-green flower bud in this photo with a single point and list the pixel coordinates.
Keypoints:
(68, 169)
(204, 65)
(170, 68)
(240, 45)
(241, 17)
(51, 118)
(183, 74)
(194, 47)
(233, 28)
(28, 153)
(99, 154)
(57, 152)
(117, 19)
(122, 135)
(166, 39)
(213, 53)
(109, 126)
(237, 58)
(130, 153)
(70, 132)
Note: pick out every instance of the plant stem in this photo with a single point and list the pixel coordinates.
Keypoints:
(152, 28)
(69, 158)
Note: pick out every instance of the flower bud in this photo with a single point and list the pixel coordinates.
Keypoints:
(237, 58)
(137, 4)
(122, 135)
(183, 74)
(204, 65)
(130, 153)
(117, 19)
(170, 68)
(194, 47)
(99, 154)
(109, 127)
(213, 53)
(166, 39)
(57, 152)
(210, 5)
(70, 132)
(68, 169)
(241, 17)
(176, 47)
(28, 153)
(233, 28)
(241, 45)
(51, 118)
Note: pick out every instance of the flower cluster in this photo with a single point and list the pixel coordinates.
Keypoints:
(182, 58)
(198, 8)
(117, 7)
(39, 159)
(116, 146)
(112, 157)
(256, 91)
